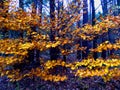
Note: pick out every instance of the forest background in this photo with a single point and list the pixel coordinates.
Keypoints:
(57, 40)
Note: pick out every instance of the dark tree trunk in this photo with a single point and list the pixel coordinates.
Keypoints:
(93, 23)
(110, 38)
(85, 20)
(29, 61)
(79, 52)
(34, 54)
(118, 3)
(21, 4)
(104, 53)
(104, 7)
(93, 12)
(53, 51)
(105, 11)
(60, 9)
(85, 12)
(32, 61)
(39, 6)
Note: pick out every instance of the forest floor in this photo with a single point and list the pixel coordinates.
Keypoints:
(73, 83)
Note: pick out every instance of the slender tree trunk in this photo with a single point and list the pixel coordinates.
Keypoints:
(79, 52)
(110, 38)
(105, 11)
(104, 53)
(104, 7)
(85, 11)
(33, 55)
(93, 12)
(85, 20)
(53, 51)
(21, 4)
(93, 23)
(118, 3)
(60, 9)
(39, 6)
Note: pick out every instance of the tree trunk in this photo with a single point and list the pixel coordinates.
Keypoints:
(110, 38)
(104, 7)
(93, 23)
(39, 6)
(118, 3)
(79, 52)
(105, 11)
(53, 51)
(104, 53)
(85, 20)
(21, 4)
(34, 54)
(93, 12)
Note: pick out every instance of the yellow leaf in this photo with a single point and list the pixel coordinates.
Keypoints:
(48, 46)
(54, 45)
(25, 46)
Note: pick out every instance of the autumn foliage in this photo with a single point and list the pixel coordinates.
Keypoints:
(16, 51)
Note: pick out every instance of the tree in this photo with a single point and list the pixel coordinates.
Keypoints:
(40, 3)
(79, 52)
(21, 4)
(53, 51)
(93, 12)
(85, 21)
(93, 23)
(105, 11)
(17, 60)
(118, 3)
(104, 7)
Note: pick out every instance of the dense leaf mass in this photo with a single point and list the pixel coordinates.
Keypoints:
(28, 55)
